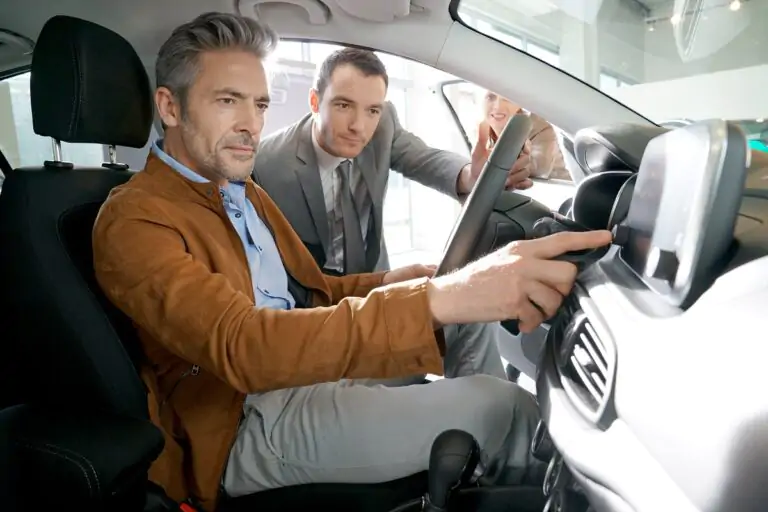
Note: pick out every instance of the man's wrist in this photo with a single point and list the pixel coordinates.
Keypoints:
(439, 296)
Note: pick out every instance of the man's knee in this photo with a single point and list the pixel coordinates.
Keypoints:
(494, 406)
(493, 394)
(480, 331)
(474, 338)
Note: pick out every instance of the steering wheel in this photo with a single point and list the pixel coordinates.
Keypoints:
(479, 205)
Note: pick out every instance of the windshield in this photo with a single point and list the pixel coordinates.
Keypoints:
(674, 61)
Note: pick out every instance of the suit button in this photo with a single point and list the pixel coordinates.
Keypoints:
(238, 215)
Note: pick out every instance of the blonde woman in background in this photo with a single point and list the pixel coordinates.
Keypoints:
(546, 159)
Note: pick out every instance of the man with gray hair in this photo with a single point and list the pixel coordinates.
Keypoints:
(249, 346)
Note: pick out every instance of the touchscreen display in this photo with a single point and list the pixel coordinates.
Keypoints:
(667, 184)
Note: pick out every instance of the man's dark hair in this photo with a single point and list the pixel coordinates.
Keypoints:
(364, 60)
(178, 58)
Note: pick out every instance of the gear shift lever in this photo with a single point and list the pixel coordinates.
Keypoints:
(455, 456)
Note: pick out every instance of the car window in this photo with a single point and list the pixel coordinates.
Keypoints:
(18, 141)
(417, 219)
(670, 60)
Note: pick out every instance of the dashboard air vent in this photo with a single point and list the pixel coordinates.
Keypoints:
(586, 361)
(589, 363)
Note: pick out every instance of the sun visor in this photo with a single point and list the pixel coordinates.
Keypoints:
(376, 10)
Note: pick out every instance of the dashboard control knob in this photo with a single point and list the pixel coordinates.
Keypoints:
(620, 234)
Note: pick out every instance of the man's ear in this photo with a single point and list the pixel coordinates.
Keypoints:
(167, 107)
(314, 101)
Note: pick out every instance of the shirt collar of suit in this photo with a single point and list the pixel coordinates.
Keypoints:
(325, 160)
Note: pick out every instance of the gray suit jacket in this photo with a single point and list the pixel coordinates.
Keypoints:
(286, 167)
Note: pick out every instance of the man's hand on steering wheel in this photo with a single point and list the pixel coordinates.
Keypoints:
(519, 281)
(519, 173)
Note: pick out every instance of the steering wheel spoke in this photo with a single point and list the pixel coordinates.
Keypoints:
(479, 204)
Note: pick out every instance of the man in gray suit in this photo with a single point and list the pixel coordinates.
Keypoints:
(328, 172)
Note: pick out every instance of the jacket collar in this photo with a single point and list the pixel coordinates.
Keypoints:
(167, 183)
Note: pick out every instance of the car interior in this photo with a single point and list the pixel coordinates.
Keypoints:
(649, 380)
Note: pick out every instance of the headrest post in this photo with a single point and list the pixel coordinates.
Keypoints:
(56, 150)
(57, 162)
(112, 164)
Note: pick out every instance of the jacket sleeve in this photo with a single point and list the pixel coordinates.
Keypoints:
(356, 285)
(142, 265)
(434, 168)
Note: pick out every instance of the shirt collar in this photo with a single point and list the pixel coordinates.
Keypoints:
(325, 160)
(157, 149)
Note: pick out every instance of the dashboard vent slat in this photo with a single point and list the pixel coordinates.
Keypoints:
(587, 379)
(587, 364)
(595, 347)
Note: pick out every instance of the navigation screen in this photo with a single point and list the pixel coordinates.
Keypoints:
(644, 208)
(683, 210)
(670, 177)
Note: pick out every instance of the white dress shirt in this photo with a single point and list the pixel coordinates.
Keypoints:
(331, 182)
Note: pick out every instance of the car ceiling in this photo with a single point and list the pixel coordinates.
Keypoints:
(146, 24)
(418, 29)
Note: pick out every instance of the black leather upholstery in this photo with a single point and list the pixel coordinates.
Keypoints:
(96, 462)
(79, 93)
(66, 354)
(67, 347)
(88, 85)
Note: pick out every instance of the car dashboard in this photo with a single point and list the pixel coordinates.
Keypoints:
(651, 382)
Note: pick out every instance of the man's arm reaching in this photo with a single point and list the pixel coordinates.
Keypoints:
(143, 266)
(414, 159)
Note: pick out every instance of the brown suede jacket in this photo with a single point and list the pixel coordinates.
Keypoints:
(166, 254)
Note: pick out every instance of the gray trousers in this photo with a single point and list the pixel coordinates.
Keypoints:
(369, 431)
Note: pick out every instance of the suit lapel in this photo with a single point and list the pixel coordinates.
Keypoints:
(309, 179)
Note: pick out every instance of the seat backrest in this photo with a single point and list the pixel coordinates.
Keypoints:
(71, 346)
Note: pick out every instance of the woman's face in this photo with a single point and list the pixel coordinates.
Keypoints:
(498, 111)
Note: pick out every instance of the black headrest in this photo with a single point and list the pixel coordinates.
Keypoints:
(89, 85)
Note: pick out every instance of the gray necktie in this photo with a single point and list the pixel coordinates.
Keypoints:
(354, 247)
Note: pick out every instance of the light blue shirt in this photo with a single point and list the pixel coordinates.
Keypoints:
(270, 280)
